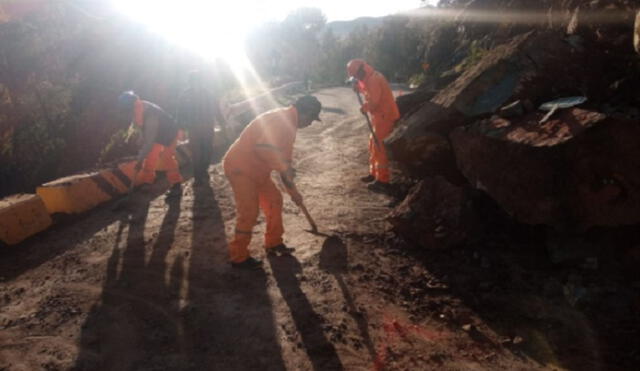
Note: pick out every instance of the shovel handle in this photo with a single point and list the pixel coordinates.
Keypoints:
(366, 116)
(308, 216)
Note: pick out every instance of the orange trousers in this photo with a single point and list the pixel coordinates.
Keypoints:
(378, 160)
(168, 156)
(251, 194)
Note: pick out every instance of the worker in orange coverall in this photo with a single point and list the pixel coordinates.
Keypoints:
(265, 145)
(381, 105)
(159, 136)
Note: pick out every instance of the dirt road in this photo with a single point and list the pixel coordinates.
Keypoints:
(153, 290)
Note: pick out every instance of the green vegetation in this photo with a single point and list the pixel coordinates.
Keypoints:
(473, 57)
(303, 46)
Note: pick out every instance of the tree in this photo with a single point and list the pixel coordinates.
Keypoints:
(300, 31)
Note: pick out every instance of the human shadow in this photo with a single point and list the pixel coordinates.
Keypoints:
(135, 324)
(334, 260)
(167, 305)
(228, 317)
(321, 352)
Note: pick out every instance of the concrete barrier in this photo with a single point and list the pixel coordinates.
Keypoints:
(76, 193)
(79, 193)
(22, 216)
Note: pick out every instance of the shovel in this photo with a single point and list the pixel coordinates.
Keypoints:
(314, 227)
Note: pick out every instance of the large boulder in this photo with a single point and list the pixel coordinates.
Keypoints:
(578, 169)
(419, 143)
(409, 103)
(529, 68)
(534, 66)
(436, 214)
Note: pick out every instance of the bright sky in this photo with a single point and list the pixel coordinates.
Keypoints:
(218, 28)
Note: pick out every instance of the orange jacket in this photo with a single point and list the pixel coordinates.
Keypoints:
(379, 100)
(265, 145)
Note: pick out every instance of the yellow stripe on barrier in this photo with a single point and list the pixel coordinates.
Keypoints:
(79, 193)
(22, 216)
(73, 194)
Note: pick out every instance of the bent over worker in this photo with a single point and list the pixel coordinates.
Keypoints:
(381, 105)
(265, 145)
(160, 137)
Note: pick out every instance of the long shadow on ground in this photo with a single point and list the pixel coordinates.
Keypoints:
(167, 307)
(334, 260)
(321, 351)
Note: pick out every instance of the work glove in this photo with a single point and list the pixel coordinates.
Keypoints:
(287, 177)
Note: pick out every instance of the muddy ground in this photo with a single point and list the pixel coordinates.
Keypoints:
(152, 289)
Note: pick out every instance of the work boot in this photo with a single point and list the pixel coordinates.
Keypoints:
(174, 192)
(378, 187)
(280, 250)
(249, 264)
(367, 179)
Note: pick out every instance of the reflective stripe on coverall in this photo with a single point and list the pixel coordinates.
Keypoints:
(380, 103)
(265, 145)
(156, 143)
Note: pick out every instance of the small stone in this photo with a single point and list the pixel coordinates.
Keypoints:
(468, 327)
(517, 340)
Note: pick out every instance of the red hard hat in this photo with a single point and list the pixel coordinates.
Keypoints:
(354, 66)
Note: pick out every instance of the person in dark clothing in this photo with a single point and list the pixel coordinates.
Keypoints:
(197, 112)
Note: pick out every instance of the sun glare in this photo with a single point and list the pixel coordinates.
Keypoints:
(206, 27)
(217, 29)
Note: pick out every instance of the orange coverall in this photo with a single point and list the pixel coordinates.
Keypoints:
(265, 145)
(380, 103)
(160, 137)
